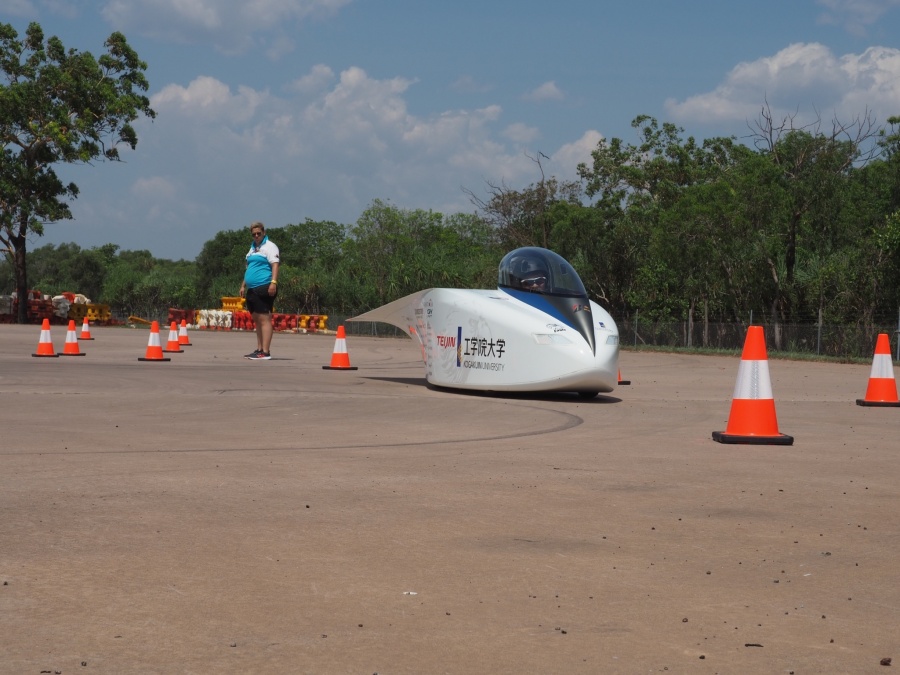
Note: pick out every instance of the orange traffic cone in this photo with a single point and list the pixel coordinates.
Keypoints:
(882, 389)
(621, 381)
(71, 346)
(752, 419)
(85, 330)
(173, 346)
(340, 359)
(45, 345)
(183, 338)
(154, 348)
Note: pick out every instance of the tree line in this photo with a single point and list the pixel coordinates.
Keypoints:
(326, 267)
(803, 228)
(791, 223)
(796, 226)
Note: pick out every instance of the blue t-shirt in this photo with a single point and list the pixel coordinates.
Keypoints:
(259, 263)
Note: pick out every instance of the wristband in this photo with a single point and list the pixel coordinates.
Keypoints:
(273, 282)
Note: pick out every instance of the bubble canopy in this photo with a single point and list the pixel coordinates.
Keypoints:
(539, 270)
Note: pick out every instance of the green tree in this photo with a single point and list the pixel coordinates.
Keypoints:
(310, 254)
(311, 251)
(58, 106)
(812, 169)
(391, 252)
(386, 249)
(523, 217)
(597, 245)
(656, 221)
(650, 174)
(68, 267)
(220, 266)
(7, 272)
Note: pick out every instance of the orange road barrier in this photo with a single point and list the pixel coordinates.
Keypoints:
(752, 419)
(85, 330)
(173, 346)
(882, 389)
(45, 344)
(183, 338)
(71, 346)
(340, 358)
(154, 348)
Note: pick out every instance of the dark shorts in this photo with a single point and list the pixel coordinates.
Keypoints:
(259, 301)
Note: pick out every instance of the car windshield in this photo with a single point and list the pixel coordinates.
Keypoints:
(538, 270)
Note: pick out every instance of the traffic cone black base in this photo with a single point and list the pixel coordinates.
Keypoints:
(734, 439)
(45, 344)
(340, 358)
(154, 348)
(882, 389)
(752, 420)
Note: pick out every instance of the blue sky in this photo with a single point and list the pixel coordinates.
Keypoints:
(282, 110)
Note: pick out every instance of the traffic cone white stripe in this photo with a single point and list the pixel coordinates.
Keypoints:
(173, 346)
(183, 338)
(752, 419)
(154, 348)
(753, 381)
(882, 388)
(882, 367)
(85, 330)
(340, 358)
(45, 343)
(71, 346)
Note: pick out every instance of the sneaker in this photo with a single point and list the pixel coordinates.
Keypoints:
(252, 355)
(260, 356)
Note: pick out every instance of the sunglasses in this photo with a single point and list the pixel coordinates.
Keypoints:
(257, 234)
(534, 281)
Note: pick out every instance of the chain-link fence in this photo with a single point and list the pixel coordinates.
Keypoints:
(841, 341)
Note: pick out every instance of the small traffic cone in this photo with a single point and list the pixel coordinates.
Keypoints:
(340, 359)
(752, 419)
(45, 344)
(154, 348)
(71, 346)
(621, 381)
(882, 389)
(183, 338)
(85, 330)
(173, 346)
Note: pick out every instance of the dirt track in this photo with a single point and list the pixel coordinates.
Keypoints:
(215, 515)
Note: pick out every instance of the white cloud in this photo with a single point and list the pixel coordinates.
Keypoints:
(451, 134)
(153, 187)
(280, 46)
(23, 8)
(570, 155)
(875, 78)
(802, 78)
(521, 133)
(353, 141)
(319, 77)
(65, 8)
(233, 26)
(546, 92)
(469, 85)
(855, 15)
(209, 99)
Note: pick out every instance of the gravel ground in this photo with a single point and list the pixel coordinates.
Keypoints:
(215, 515)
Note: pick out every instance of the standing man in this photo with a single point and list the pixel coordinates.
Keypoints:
(259, 287)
